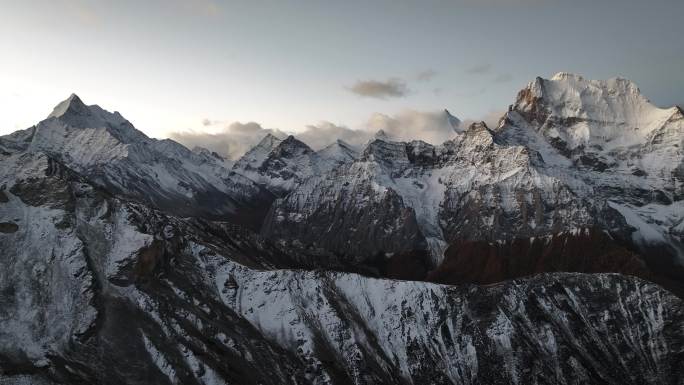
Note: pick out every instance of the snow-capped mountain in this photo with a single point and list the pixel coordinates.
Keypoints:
(570, 154)
(99, 290)
(106, 148)
(281, 165)
(338, 153)
(130, 260)
(610, 144)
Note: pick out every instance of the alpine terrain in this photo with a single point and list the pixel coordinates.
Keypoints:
(548, 249)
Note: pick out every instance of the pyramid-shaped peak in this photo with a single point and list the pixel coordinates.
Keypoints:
(73, 105)
(292, 139)
(453, 121)
(290, 144)
(270, 138)
(269, 142)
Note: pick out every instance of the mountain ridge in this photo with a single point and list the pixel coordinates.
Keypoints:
(520, 253)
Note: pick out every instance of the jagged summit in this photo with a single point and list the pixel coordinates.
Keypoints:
(253, 158)
(280, 165)
(455, 122)
(609, 113)
(339, 152)
(292, 141)
(269, 140)
(71, 105)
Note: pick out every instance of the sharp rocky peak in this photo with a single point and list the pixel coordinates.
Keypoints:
(291, 146)
(575, 93)
(71, 105)
(453, 121)
(339, 145)
(269, 140)
(72, 112)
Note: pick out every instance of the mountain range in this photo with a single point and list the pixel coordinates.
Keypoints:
(546, 249)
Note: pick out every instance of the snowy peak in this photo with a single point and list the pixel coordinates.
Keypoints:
(269, 149)
(339, 152)
(453, 121)
(111, 152)
(269, 141)
(568, 95)
(205, 152)
(291, 147)
(390, 155)
(71, 105)
(280, 165)
(257, 154)
(73, 113)
(611, 113)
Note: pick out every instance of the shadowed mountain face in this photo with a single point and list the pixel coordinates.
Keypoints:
(587, 251)
(129, 260)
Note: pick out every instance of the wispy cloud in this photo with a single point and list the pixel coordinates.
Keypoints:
(390, 88)
(432, 127)
(503, 78)
(324, 133)
(232, 140)
(426, 75)
(479, 69)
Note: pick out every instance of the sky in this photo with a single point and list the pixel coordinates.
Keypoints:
(199, 66)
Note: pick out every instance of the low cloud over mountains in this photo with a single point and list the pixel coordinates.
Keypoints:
(234, 139)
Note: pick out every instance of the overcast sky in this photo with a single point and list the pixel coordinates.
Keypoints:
(175, 65)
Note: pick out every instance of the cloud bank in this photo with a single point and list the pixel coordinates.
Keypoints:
(234, 139)
(231, 141)
(431, 127)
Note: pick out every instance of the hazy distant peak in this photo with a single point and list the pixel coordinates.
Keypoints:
(453, 121)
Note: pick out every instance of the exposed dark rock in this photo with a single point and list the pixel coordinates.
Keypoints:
(8, 227)
(584, 251)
